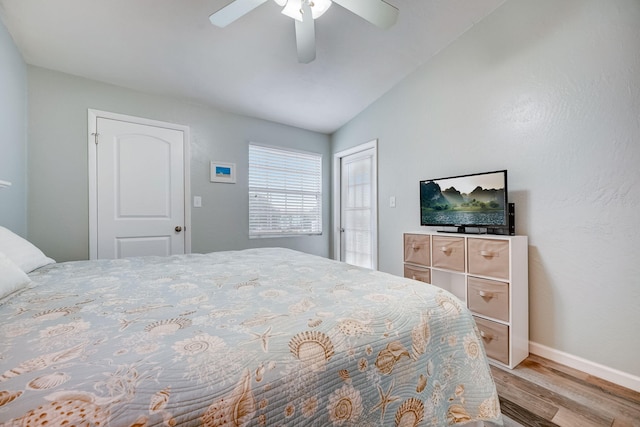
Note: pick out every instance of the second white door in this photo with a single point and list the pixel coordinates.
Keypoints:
(358, 208)
(140, 188)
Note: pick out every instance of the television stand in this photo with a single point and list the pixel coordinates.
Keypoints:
(489, 274)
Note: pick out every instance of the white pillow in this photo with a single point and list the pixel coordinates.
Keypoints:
(21, 252)
(12, 277)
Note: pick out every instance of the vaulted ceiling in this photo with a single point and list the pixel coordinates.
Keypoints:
(169, 47)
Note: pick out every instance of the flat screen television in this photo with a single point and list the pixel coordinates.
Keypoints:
(477, 201)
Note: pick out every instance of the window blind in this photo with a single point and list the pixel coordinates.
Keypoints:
(285, 192)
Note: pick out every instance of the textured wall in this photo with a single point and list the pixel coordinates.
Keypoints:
(58, 197)
(13, 135)
(549, 90)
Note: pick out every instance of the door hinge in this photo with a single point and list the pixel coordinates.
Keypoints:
(95, 137)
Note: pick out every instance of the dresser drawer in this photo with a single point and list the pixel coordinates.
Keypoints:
(417, 249)
(488, 257)
(448, 253)
(488, 297)
(495, 338)
(417, 273)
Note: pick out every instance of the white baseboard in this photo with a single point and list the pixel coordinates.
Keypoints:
(606, 373)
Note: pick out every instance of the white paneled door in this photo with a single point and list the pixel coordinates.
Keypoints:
(139, 189)
(358, 208)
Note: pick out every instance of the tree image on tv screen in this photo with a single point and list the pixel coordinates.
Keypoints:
(482, 206)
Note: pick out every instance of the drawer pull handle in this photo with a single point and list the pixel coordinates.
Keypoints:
(487, 254)
(415, 247)
(445, 250)
(486, 295)
(486, 337)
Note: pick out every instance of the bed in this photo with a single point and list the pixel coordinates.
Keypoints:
(259, 337)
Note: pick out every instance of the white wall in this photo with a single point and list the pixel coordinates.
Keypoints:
(58, 180)
(13, 135)
(549, 90)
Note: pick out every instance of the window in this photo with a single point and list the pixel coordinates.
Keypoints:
(285, 192)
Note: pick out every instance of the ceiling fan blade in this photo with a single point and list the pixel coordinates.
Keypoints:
(377, 12)
(233, 11)
(306, 36)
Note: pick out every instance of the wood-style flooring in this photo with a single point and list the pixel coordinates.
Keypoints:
(540, 392)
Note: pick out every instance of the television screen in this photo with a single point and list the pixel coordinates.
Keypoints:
(476, 200)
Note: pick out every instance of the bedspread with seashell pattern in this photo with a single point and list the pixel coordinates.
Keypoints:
(260, 337)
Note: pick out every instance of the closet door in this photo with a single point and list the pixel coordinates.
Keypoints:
(140, 201)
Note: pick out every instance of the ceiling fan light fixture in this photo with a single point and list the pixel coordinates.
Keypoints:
(293, 9)
(318, 7)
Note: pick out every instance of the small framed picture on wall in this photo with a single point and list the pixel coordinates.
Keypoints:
(223, 172)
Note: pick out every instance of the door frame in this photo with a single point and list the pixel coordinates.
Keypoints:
(337, 199)
(92, 117)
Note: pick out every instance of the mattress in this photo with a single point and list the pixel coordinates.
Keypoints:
(260, 337)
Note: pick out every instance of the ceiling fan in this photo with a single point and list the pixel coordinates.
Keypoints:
(377, 12)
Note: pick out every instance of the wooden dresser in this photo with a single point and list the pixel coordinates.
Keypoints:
(489, 273)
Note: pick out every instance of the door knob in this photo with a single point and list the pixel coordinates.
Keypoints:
(178, 229)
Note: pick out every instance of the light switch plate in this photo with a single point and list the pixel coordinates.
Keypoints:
(197, 201)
